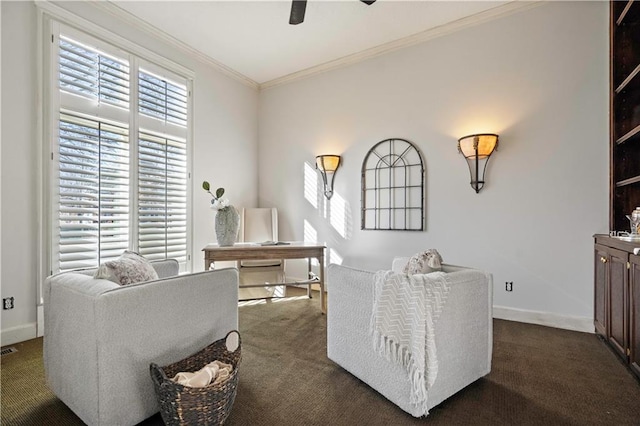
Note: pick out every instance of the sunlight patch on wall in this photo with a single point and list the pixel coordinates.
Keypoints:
(340, 215)
(310, 233)
(334, 257)
(310, 236)
(311, 185)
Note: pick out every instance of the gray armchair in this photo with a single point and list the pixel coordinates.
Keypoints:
(100, 337)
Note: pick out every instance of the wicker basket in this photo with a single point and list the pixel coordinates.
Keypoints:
(209, 405)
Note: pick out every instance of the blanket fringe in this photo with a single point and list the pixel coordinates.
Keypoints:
(401, 355)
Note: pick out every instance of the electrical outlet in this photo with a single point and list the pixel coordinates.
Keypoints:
(508, 285)
(7, 303)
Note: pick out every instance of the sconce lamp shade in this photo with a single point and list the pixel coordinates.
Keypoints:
(481, 145)
(477, 149)
(328, 164)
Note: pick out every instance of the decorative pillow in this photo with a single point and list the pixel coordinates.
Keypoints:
(129, 268)
(424, 262)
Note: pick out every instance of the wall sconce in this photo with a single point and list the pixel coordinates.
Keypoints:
(476, 150)
(327, 164)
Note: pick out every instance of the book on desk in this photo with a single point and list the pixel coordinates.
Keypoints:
(274, 243)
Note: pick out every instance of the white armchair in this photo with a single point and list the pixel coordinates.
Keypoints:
(463, 334)
(100, 337)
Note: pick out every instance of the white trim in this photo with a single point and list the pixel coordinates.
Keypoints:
(136, 22)
(548, 319)
(51, 111)
(190, 152)
(41, 231)
(421, 37)
(42, 167)
(134, 133)
(18, 334)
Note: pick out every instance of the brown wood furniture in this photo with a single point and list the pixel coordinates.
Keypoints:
(616, 314)
(624, 112)
(255, 251)
(617, 297)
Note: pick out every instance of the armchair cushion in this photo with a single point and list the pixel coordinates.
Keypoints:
(129, 268)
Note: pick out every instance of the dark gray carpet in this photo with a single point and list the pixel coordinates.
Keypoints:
(540, 376)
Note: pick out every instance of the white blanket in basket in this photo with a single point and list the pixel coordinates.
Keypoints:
(405, 309)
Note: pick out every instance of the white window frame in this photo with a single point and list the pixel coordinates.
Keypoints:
(49, 16)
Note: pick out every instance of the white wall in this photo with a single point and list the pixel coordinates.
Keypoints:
(539, 79)
(19, 173)
(225, 129)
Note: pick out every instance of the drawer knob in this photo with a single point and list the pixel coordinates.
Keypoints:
(603, 259)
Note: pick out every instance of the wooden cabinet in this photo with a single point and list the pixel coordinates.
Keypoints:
(625, 112)
(618, 301)
(617, 297)
(634, 331)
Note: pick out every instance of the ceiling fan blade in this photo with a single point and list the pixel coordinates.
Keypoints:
(368, 2)
(297, 11)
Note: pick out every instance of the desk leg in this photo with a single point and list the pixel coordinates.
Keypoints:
(309, 277)
(323, 296)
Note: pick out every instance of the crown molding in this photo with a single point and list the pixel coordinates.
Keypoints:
(421, 37)
(133, 20)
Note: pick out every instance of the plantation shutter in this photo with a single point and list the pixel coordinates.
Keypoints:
(93, 207)
(87, 72)
(162, 164)
(162, 99)
(162, 197)
(93, 213)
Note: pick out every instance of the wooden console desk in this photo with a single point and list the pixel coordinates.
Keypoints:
(255, 251)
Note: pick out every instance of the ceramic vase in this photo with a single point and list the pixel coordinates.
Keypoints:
(227, 225)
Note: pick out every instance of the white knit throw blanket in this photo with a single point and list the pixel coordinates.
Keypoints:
(405, 310)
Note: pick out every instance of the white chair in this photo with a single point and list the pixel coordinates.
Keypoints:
(463, 334)
(259, 225)
(100, 337)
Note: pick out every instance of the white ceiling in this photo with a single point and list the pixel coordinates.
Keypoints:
(254, 38)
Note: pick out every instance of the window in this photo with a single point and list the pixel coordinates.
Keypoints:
(120, 153)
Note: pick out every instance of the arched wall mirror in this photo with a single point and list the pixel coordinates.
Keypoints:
(393, 187)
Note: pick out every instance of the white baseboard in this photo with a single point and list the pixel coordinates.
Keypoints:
(18, 334)
(548, 319)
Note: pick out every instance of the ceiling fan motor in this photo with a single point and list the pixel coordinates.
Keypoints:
(298, 8)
